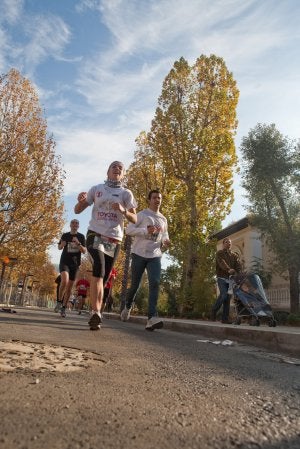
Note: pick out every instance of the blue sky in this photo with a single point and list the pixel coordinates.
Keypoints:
(98, 67)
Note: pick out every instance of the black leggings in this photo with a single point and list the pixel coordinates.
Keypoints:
(102, 263)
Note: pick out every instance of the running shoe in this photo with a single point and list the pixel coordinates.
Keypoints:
(125, 314)
(154, 323)
(95, 322)
(57, 307)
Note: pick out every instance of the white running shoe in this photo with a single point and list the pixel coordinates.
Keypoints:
(154, 323)
(125, 314)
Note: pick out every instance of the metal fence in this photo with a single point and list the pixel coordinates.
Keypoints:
(12, 295)
(279, 297)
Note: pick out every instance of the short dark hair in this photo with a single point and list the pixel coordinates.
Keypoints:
(153, 191)
(226, 239)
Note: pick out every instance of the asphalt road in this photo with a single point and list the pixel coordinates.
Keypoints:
(63, 386)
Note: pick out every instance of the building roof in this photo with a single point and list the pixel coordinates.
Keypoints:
(231, 229)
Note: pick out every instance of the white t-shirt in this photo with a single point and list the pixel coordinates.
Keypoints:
(144, 244)
(105, 220)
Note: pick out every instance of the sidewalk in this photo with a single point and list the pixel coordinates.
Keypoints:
(285, 339)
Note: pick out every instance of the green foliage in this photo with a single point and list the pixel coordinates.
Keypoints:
(265, 275)
(201, 292)
(163, 304)
(271, 177)
(141, 299)
(170, 285)
(293, 319)
(281, 317)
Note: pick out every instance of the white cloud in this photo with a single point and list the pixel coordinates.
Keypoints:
(45, 36)
(172, 25)
(11, 10)
(240, 32)
(48, 37)
(108, 89)
(3, 49)
(82, 5)
(87, 153)
(10, 13)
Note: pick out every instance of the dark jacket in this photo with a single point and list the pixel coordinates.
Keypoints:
(226, 260)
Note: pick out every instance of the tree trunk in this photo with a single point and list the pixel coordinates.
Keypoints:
(294, 289)
(191, 255)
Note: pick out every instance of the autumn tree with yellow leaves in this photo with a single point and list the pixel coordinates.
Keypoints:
(190, 154)
(31, 177)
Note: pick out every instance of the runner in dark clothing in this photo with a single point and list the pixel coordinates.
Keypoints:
(73, 245)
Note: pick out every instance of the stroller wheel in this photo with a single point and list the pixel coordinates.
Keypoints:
(237, 321)
(272, 323)
(255, 322)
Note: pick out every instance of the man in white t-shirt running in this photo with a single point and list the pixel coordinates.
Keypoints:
(112, 203)
(151, 238)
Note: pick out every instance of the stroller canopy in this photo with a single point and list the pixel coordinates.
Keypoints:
(250, 284)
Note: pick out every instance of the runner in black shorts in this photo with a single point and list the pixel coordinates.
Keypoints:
(73, 245)
(112, 203)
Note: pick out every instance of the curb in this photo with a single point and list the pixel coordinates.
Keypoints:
(279, 339)
(282, 339)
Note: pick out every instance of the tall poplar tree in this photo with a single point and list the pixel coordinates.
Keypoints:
(271, 176)
(31, 178)
(190, 147)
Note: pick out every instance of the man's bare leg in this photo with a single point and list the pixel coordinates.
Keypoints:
(63, 285)
(96, 294)
(65, 291)
(67, 294)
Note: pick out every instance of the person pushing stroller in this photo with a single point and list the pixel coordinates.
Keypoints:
(227, 264)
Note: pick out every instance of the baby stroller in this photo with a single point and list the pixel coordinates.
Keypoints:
(250, 300)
